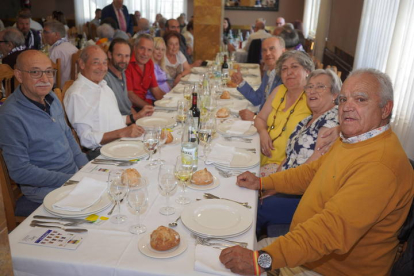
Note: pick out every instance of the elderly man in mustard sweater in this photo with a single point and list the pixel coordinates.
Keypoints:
(355, 198)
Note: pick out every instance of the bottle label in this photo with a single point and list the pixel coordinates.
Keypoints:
(190, 151)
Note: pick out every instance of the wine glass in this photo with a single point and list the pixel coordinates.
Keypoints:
(182, 109)
(163, 135)
(183, 172)
(167, 184)
(187, 93)
(151, 142)
(137, 199)
(117, 189)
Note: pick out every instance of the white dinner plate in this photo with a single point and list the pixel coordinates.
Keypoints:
(213, 185)
(216, 217)
(56, 195)
(124, 150)
(224, 237)
(145, 247)
(156, 122)
(242, 159)
(222, 128)
(169, 103)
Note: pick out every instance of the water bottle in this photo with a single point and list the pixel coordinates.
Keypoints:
(189, 141)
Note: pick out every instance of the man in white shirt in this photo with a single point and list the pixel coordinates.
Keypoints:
(259, 33)
(33, 24)
(91, 105)
(55, 35)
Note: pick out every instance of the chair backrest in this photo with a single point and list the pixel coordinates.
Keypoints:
(11, 193)
(58, 93)
(255, 51)
(58, 67)
(7, 74)
(74, 70)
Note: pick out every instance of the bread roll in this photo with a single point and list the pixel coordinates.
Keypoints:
(202, 177)
(164, 238)
(170, 137)
(225, 95)
(222, 113)
(131, 176)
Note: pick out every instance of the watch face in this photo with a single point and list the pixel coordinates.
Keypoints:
(264, 260)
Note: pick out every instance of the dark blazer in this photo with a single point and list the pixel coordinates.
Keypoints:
(109, 11)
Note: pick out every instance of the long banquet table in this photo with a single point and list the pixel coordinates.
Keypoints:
(109, 249)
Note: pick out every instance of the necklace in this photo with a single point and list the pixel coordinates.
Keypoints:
(288, 117)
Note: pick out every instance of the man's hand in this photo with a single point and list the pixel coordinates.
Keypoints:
(246, 115)
(237, 77)
(144, 112)
(197, 63)
(326, 138)
(131, 131)
(248, 180)
(239, 260)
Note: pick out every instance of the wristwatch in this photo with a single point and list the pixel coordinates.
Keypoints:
(264, 260)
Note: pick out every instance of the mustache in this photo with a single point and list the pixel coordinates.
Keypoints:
(43, 84)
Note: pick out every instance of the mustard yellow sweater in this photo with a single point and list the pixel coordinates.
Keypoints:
(355, 199)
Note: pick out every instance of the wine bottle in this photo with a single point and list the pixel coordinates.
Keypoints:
(225, 68)
(195, 111)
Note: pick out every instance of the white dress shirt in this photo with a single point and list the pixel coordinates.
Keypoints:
(64, 51)
(260, 34)
(92, 110)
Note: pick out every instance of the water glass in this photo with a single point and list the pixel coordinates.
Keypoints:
(150, 139)
(182, 109)
(183, 172)
(167, 183)
(137, 199)
(163, 135)
(117, 189)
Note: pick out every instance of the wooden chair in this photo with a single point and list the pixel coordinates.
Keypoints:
(11, 193)
(58, 93)
(74, 70)
(7, 74)
(58, 67)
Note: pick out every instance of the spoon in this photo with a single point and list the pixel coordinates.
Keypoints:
(174, 224)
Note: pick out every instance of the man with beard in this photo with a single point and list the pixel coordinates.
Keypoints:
(33, 38)
(92, 108)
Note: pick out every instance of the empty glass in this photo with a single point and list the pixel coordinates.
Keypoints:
(137, 199)
(183, 172)
(163, 135)
(167, 183)
(117, 189)
(150, 139)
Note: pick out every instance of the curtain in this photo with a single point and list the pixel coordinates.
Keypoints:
(85, 9)
(310, 18)
(386, 43)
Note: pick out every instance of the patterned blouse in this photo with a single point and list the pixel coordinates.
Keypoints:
(302, 141)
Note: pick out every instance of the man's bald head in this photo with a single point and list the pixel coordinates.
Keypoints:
(26, 58)
(259, 26)
(280, 21)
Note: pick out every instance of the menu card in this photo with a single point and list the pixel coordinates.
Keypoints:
(52, 238)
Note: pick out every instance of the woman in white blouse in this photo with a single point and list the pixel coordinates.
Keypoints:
(176, 64)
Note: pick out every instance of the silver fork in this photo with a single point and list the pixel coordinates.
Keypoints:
(214, 245)
(208, 240)
(245, 140)
(75, 230)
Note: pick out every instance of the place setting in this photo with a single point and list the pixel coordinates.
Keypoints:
(236, 128)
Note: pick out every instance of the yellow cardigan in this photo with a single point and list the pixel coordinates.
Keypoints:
(356, 197)
(301, 112)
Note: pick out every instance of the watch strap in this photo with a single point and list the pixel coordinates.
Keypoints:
(131, 118)
(255, 262)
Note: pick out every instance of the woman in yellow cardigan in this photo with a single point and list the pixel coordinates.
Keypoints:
(284, 109)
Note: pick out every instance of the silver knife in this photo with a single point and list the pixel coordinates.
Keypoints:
(74, 230)
(64, 219)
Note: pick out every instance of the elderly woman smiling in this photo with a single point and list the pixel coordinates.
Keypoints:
(284, 109)
(175, 62)
(322, 88)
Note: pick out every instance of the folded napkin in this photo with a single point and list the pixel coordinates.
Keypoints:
(207, 260)
(172, 102)
(239, 127)
(194, 78)
(199, 70)
(221, 154)
(86, 193)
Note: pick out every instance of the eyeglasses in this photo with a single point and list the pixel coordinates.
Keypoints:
(37, 74)
(318, 88)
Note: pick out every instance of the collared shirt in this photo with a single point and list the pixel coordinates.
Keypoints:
(92, 110)
(365, 136)
(139, 82)
(120, 90)
(45, 107)
(64, 50)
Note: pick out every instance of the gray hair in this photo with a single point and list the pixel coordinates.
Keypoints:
(14, 36)
(280, 40)
(290, 36)
(143, 36)
(336, 82)
(56, 27)
(85, 52)
(304, 60)
(105, 31)
(384, 81)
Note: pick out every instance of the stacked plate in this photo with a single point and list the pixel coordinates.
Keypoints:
(242, 160)
(226, 125)
(124, 150)
(167, 103)
(147, 122)
(217, 218)
(62, 192)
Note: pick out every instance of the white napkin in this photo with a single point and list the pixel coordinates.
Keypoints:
(85, 194)
(172, 102)
(207, 260)
(221, 154)
(199, 70)
(239, 127)
(194, 78)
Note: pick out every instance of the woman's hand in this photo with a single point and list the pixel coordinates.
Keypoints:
(266, 144)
